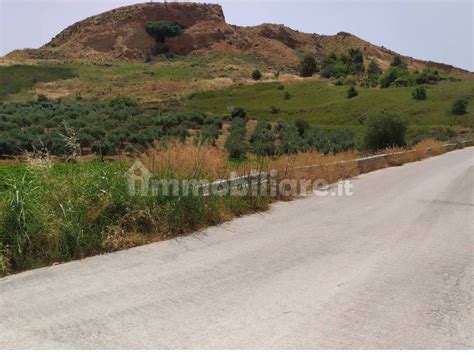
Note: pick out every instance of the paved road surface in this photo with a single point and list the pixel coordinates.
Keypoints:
(390, 267)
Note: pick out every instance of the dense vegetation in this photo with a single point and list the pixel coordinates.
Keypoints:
(103, 128)
(161, 30)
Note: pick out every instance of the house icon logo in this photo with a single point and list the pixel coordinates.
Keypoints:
(138, 177)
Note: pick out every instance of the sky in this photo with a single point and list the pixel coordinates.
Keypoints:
(438, 30)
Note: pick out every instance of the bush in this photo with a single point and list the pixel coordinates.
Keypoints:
(385, 130)
(42, 98)
(160, 30)
(263, 139)
(398, 62)
(238, 112)
(256, 74)
(274, 110)
(290, 140)
(302, 126)
(392, 75)
(336, 66)
(235, 143)
(352, 92)
(459, 107)
(374, 68)
(286, 96)
(419, 93)
(330, 140)
(209, 134)
(280, 87)
(308, 66)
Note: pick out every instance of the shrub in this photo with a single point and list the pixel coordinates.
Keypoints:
(263, 139)
(275, 110)
(235, 143)
(209, 134)
(286, 96)
(354, 61)
(238, 112)
(394, 74)
(256, 74)
(335, 66)
(419, 93)
(290, 140)
(330, 140)
(42, 98)
(374, 68)
(385, 130)
(352, 92)
(459, 107)
(428, 76)
(308, 65)
(160, 30)
(302, 126)
(280, 87)
(398, 62)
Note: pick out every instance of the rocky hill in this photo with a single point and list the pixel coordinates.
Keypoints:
(120, 35)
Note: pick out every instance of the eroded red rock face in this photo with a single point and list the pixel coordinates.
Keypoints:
(120, 35)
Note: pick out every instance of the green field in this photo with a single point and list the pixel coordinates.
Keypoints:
(325, 104)
(15, 78)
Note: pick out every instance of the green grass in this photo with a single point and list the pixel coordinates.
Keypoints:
(16, 78)
(325, 104)
(72, 211)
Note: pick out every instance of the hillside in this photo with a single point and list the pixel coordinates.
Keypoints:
(120, 35)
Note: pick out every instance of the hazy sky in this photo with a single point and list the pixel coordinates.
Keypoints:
(439, 30)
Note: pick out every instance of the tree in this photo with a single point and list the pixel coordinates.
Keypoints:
(256, 75)
(459, 107)
(385, 130)
(354, 61)
(235, 143)
(352, 92)
(209, 134)
(308, 66)
(290, 140)
(419, 93)
(263, 139)
(161, 30)
(398, 62)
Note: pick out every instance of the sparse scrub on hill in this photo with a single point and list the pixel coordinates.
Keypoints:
(350, 63)
(397, 61)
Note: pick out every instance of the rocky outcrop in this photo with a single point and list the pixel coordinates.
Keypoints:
(120, 35)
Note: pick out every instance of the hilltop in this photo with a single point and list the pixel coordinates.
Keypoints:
(120, 36)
